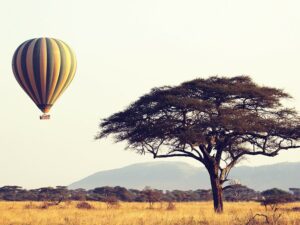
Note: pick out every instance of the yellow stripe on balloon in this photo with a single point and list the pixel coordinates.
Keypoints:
(64, 76)
(56, 69)
(71, 73)
(73, 69)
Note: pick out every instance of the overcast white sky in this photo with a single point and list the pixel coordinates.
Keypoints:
(125, 48)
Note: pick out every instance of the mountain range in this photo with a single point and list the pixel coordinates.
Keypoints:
(166, 175)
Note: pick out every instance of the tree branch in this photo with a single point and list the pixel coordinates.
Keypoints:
(172, 155)
(188, 154)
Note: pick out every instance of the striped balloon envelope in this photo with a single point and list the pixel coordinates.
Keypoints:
(44, 68)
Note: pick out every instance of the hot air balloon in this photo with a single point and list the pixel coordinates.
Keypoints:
(44, 68)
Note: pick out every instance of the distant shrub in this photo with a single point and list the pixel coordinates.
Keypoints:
(275, 197)
(29, 206)
(112, 202)
(84, 205)
(171, 206)
(44, 205)
(296, 209)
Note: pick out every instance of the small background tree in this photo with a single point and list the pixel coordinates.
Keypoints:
(274, 197)
(151, 196)
(217, 121)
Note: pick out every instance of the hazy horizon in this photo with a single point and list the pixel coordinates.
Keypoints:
(123, 49)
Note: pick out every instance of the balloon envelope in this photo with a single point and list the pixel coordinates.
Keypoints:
(44, 68)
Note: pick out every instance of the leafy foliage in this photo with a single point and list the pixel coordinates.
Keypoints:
(226, 118)
(217, 121)
(84, 205)
(276, 196)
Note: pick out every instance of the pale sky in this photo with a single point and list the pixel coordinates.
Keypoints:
(123, 49)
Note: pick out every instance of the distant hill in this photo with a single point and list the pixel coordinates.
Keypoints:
(183, 176)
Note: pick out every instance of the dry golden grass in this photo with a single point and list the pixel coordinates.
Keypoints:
(195, 213)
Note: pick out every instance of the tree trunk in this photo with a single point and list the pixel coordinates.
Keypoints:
(217, 191)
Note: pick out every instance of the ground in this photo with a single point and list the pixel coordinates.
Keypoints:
(185, 213)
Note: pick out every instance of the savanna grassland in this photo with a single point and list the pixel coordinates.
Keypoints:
(188, 213)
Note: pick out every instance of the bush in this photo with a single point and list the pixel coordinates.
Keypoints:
(112, 202)
(29, 206)
(274, 197)
(44, 205)
(171, 206)
(296, 209)
(84, 205)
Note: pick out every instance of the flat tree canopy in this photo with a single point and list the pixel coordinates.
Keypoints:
(216, 121)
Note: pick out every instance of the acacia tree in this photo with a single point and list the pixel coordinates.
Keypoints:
(217, 121)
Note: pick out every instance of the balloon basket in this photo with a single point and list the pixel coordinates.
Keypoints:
(45, 117)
